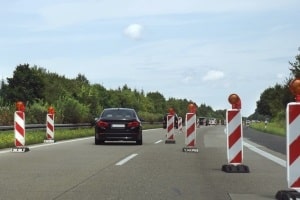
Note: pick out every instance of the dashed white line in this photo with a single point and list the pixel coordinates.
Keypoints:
(122, 162)
(159, 141)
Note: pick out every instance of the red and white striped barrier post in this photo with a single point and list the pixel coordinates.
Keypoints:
(19, 128)
(170, 127)
(191, 128)
(50, 126)
(292, 145)
(180, 125)
(234, 132)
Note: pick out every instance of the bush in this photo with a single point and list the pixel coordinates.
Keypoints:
(71, 111)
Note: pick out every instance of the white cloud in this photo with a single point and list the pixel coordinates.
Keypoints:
(134, 31)
(213, 75)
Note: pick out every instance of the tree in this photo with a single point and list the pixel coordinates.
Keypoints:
(26, 85)
(295, 69)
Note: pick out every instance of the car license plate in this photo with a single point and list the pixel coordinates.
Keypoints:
(118, 125)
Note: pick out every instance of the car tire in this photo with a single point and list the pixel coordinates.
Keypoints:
(140, 140)
(97, 141)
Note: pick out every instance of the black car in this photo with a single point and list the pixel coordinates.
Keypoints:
(175, 120)
(118, 124)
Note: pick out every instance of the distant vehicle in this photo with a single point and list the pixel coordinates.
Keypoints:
(175, 120)
(118, 124)
(203, 121)
(212, 121)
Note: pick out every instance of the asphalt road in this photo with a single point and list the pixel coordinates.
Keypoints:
(78, 169)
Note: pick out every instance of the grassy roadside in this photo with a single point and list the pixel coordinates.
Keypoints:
(35, 137)
(272, 128)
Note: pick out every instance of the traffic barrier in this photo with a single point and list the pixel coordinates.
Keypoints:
(19, 131)
(180, 129)
(234, 133)
(293, 145)
(49, 128)
(170, 130)
(190, 135)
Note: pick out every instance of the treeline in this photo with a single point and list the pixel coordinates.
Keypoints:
(78, 101)
(273, 101)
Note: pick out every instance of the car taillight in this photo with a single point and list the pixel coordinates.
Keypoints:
(102, 124)
(133, 124)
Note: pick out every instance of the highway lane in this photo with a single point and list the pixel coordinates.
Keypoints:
(80, 170)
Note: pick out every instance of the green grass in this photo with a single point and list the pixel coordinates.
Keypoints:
(35, 137)
(272, 128)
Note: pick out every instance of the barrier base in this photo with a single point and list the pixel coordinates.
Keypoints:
(287, 195)
(20, 149)
(190, 149)
(169, 141)
(49, 141)
(240, 168)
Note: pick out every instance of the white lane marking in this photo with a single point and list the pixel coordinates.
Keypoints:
(159, 141)
(34, 146)
(266, 155)
(122, 162)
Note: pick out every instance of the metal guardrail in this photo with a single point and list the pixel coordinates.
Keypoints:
(43, 126)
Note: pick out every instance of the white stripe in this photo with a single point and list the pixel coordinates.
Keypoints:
(234, 123)
(235, 149)
(265, 154)
(293, 172)
(122, 162)
(159, 141)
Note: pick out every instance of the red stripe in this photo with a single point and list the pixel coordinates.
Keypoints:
(190, 130)
(234, 136)
(237, 158)
(50, 126)
(49, 136)
(231, 114)
(20, 129)
(296, 184)
(18, 144)
(189, 116)
(192, 143)
(294, 150)
(294, 111)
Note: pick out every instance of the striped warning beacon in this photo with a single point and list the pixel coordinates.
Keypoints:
(191, 128)
(234, 132)
(170, 127)
(292, 145)
(19, 128)
(50, 125)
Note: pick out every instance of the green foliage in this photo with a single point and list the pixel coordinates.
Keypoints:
(71, 111)
(26, 85)
(36, 113)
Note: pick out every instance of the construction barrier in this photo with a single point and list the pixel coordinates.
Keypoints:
(190, 135)
(49, 128)
(234, 131)
(293, 153)
(170, 130)
(180, 129)
(19, 131)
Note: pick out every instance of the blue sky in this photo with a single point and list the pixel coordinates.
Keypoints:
(197, 50)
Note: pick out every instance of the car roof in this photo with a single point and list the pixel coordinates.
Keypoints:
(118, 109)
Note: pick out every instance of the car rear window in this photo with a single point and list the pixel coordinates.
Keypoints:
(118, 114)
